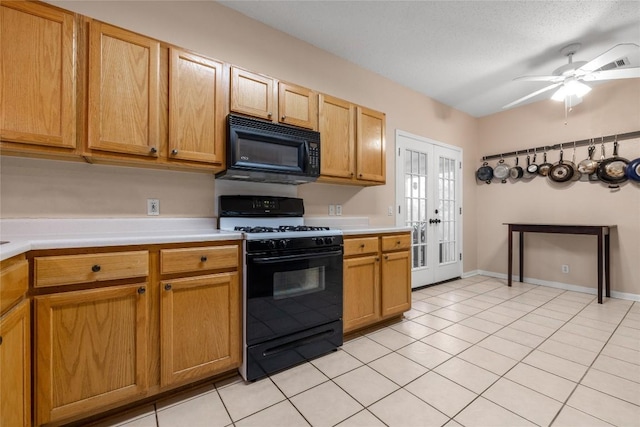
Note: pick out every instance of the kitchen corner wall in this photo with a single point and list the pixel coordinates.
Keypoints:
(610, 108)
(41, 188)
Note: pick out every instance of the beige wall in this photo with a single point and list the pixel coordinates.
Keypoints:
(76, 190)
(610, 108)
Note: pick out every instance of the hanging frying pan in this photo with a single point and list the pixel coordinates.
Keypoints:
(543, 169)
(613, 170)
(516, 172)
(594, 175)
(576, 174)
(588, 165)
(501, 171)
(485, 172)
(633, 170)
(525, 171)
(533, 167)
(561, 171)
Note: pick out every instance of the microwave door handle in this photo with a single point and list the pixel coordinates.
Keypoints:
(275, 259)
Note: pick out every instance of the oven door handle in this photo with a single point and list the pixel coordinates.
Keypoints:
(275, 259)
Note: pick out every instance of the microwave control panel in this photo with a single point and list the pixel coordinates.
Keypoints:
(314, 158)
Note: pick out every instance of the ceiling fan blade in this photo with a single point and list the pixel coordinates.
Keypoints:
(531, 95)
(616, 52)
(540, 78)
(620, 73)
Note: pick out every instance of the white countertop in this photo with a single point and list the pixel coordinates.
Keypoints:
(374, 230)
(31, 234)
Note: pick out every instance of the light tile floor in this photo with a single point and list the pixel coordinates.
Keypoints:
(472, 352)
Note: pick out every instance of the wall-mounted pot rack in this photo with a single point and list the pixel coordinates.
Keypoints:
(567, 145)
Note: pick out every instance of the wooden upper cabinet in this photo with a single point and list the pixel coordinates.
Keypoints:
(252, 94)
(297, 106)
(38, 75)
(196, 108)
(370, 153)
(123, 91)
(337, 130)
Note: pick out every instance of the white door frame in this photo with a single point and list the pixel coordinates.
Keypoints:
(399, 190)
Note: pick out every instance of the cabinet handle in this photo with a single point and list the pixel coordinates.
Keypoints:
(174, 152)
(167, 287)
(142, 290)
(95, 268)
(153, 150)
(203, 258)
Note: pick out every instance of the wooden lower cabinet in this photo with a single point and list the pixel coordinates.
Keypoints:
(377, 278)
(199, 327)
(15, 367)
(91, 350)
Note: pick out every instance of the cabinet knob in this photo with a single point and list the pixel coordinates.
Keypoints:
(284, 117)
(352, 174)
(398, 242)
(0, 339)
(386, 257)
(360, 175)
(167, 287)
(142, 290)
(362, 245)
(153, 150)
(203, 258)
(269, 115)
(95, 268)
(174, 152)
(377, 259)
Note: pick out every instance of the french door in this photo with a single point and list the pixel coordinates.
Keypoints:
(428, 199)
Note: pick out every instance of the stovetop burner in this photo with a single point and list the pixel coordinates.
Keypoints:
(279, 229)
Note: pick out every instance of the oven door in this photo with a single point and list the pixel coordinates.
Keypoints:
(291, 291)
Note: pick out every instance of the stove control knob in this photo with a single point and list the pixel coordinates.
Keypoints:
(328, 240)
(283, 244)
(271, 244)
(319, 240)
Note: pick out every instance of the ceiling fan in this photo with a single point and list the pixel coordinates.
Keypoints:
(569, 78)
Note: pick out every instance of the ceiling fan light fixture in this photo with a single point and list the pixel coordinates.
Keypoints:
(571, 88)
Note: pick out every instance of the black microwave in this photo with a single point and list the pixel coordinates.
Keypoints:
(263, 151)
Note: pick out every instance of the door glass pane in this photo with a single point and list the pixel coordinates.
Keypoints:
(415, 182)
(447, 213)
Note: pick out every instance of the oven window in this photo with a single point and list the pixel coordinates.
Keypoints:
(288, 284)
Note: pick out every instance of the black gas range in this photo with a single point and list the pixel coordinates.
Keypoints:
(292, 283)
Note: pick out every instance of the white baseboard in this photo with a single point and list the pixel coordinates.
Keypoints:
(470, 273)
(557, 285)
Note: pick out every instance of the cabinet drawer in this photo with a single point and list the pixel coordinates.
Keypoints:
(14, 281)
(399, 241)
(69, 269)
(360, 245)
(198, 259)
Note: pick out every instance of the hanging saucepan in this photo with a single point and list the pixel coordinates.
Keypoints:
(533, 167)
(594, 175)
(588, 165)
(561, 171)
(485, 172)
(501, 171)
(576, 174)
(543, 169)
(516, 172)
(633, 170)
(613, 170)
(525, 171)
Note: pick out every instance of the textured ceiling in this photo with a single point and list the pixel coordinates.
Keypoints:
(464, 54)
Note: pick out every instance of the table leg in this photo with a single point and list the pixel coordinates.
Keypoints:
(600, 262)
(607, 270)
(521, 256)
(510, 262)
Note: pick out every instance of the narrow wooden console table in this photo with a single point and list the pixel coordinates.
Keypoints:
(600, 231)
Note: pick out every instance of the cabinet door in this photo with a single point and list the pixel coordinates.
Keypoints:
(297, 106)
(370, 153)
(196, 108)
(361, 292)
(251, 94)
(337, 130)
(396, 283)
(91, 350)
(15, 367)
(199, 327)
(37, 77)
(123, 91)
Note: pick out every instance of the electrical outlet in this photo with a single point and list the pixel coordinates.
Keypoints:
(332, 210)
(339, 210)
(565, 268)
(390, 211)
(153, 206)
